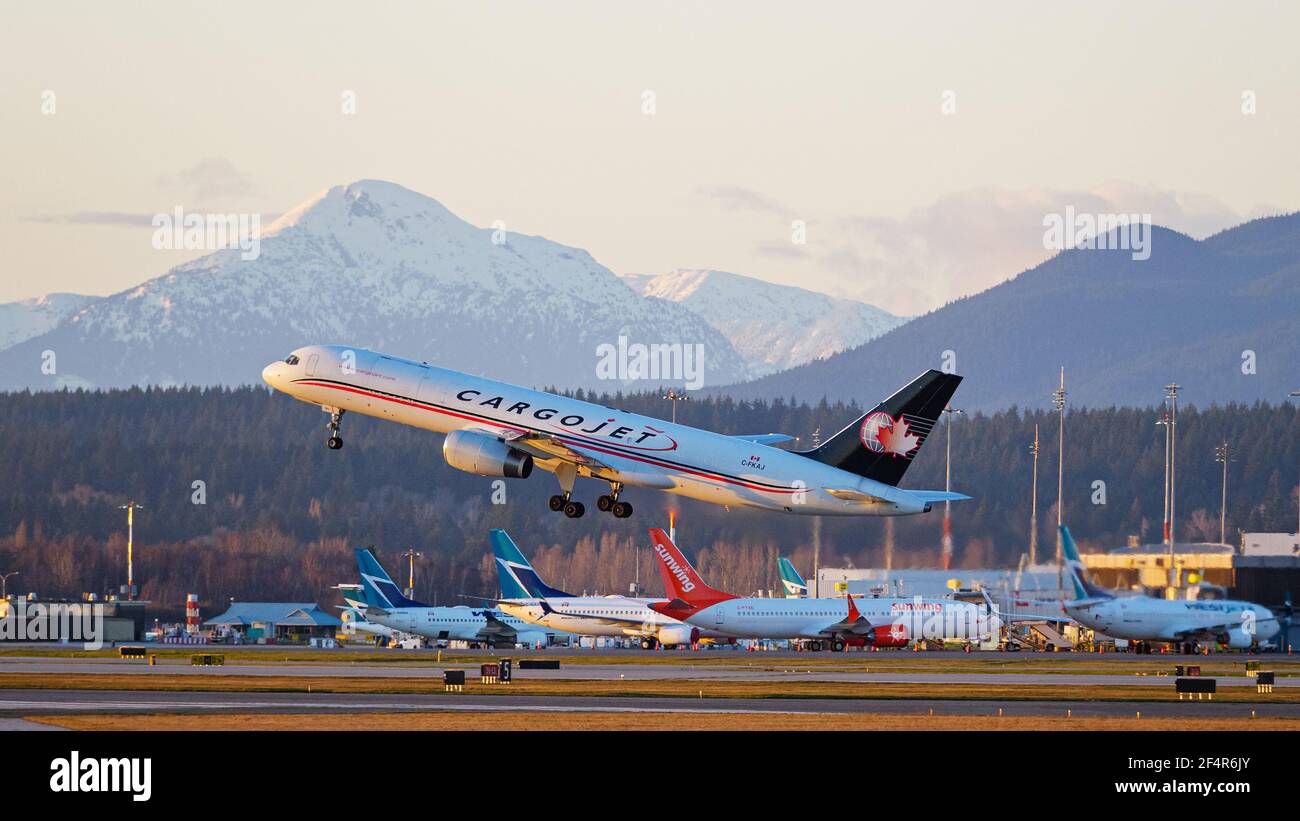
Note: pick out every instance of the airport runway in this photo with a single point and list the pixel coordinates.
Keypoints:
(15, 703)
(765, 669)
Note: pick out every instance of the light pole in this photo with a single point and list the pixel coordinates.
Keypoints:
(947, 486)
(1223, 454)
(1058, 402)
(130, 508)
(817, 531)
(1033, 505)
(674, 396)
(4, 583)
(1163, 422)
(1296, 393)
(1171, 391)
(411, 555)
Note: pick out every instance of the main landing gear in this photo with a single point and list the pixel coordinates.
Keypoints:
(572, 509)
(609, 503)
(335, 425)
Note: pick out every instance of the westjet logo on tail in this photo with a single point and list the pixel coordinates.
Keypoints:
(674, 568)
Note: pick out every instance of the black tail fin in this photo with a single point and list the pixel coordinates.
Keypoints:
(881, 444)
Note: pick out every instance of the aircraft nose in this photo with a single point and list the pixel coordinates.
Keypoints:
(271, 374)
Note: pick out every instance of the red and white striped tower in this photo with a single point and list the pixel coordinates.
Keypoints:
(191, 613)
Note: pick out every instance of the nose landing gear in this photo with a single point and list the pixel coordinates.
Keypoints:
(335, 425)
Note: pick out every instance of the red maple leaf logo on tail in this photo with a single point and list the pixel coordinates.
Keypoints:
(896, 438)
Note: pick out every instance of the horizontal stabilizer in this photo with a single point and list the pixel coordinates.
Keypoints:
(765, 438)
(933, 496)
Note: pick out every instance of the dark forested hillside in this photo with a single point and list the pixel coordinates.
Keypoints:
(280, 511)
(1217, 315)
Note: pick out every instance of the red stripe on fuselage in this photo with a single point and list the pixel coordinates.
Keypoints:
(569, 441)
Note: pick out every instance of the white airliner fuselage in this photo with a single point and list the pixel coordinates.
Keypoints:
(497, 429)
(1238, 624)
(616, 616)
(459, 624)
(903, 619)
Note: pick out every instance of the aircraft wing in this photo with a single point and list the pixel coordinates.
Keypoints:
(496, 627)
(764, 438)
(846, 627)
(1211, 632)
(543, 446)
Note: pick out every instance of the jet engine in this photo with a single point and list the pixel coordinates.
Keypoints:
(674, 634)
(485, 455)
(893, 635)
(1237, 638)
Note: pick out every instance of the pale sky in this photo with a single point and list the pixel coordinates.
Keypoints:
(764, 113)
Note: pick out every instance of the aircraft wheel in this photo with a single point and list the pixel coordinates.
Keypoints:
(557, 503)
(604, 502)
(621, 510)
(837, 646)
(334, 442)
(815, 646)
(574, 510)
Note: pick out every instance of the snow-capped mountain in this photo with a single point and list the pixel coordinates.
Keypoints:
(20, 321)
(773, 327)
(380, 266)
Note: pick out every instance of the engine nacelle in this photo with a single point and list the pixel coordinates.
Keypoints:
(893, 635)
(674, 634)
(485, 455)
(1238, 639)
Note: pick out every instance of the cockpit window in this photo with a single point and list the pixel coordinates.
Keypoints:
(291, 360)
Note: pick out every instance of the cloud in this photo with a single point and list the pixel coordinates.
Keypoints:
(739, 198)
(96, 218)
(214, 178)
(970, 240)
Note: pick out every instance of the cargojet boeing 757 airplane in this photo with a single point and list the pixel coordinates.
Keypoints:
(496, 429)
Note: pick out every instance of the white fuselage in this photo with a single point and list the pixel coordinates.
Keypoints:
(615, 616)
(1145, 618)
(915, 618)
(454, 624)
(355, 621)
(624, 447)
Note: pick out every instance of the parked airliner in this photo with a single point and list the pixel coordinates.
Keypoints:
(386, 605)
(884, 621)
(1143, 619)
(526, 596)
(501, 430)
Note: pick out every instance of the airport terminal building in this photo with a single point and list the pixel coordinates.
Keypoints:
(276, 621)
